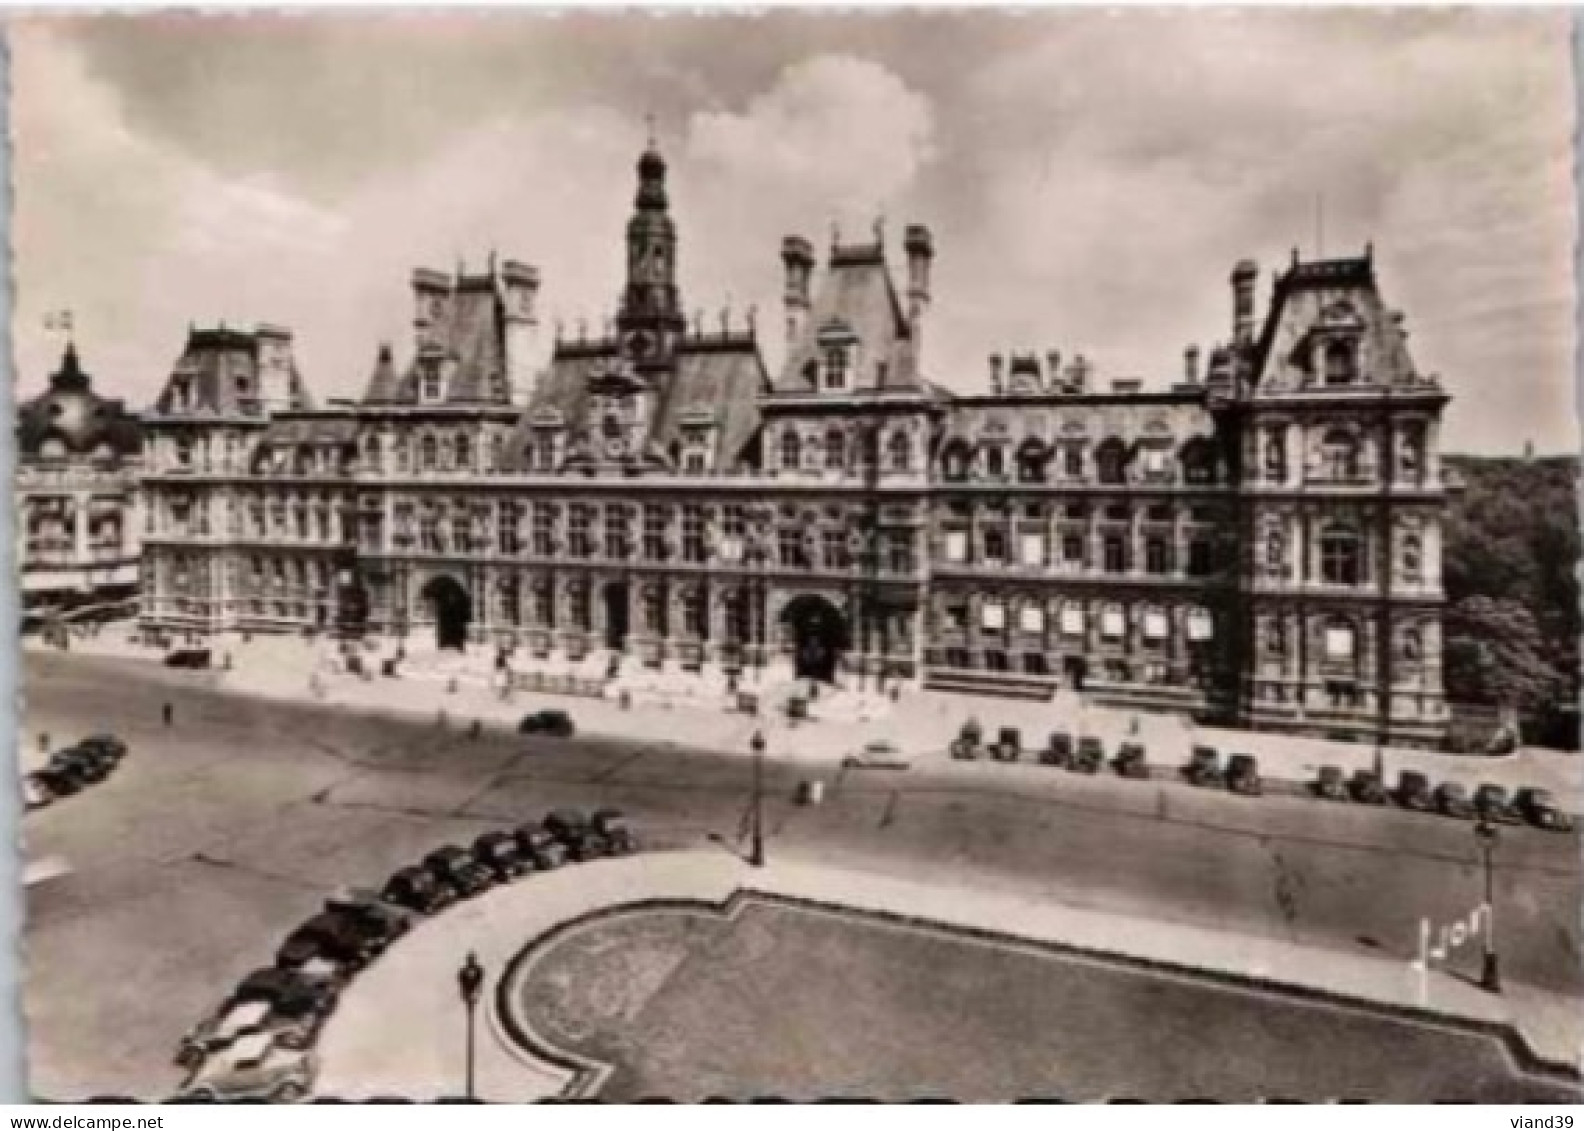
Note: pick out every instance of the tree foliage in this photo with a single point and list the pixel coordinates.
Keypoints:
(1510, 570)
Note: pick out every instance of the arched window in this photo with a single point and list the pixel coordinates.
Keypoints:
(1410, 460)
(1341, 556)
(995, 461)
(1275, 552)
(1341, 363)
(899, 452)
(1412, 643)
(1276, 455)
(1412, 558)
(464, 452)
(791, 451)
(497, 450)
(835, 450)
(954, 462)
(1031, 462)
(428, 453)
(1339, 455)
(1275, 637)
(371, 452)
(836, 364)
(400, 444)
(1111, 462)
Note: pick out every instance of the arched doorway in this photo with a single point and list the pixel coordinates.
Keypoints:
(616, 614)
(452, 609)
(819, 636)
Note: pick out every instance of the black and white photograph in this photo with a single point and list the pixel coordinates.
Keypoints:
(887, 555)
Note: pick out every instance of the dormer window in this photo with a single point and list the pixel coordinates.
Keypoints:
(181, 393)
(899, 452)
(1341, 363)
(431, 382)
(836, 365)
(835, 450)
(791, 451)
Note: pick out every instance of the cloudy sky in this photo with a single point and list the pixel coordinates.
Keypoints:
(1090, 178)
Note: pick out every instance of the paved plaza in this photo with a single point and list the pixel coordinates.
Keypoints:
(221, 833)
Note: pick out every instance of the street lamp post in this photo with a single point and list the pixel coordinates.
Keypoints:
(1490, 973)
(756, 853)
(470, 981)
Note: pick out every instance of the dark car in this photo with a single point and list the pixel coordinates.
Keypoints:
(1089, 757)
(1413, 792)
(541, 847)
(381, 919)
(83, 764)
(1204, 766)
(418, 890)
(338, 938)
(58, 781)
(1452, 800)
(1008, 745)
(573, 829)
(1366, 788)
(196, 658)
(553, 723)
(1243, 776)
(1539, 808)
(1492, 803)
(963, 750)
(455, 867)
(499, 852)
(1131, 760)
(105, 745)
(1059, 751)
(290, 993)
(1330, 785)
(613, 826)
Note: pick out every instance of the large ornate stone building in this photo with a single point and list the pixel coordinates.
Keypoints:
(1259, 541)
(76, 499)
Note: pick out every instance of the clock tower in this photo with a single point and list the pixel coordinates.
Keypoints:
(650, 323)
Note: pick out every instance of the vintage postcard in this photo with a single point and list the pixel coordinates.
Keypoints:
(898, 554)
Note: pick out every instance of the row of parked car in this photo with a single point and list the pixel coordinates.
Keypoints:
(73, 769)
(1240, 774)
(257, 1046)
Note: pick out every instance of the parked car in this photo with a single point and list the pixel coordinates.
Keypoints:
(963, 750)
(231, 1021)
(383, 919)
(1366, 788)
(1204, 766)
(58, 780)
(1452, 800)
(614, 828)
(553, 723)
(1492, 803)
(573, 829)
(1130, 760)
(1242, 775)
(1539, 808)
(1089, 757)
(195, 658)
(499, 852)
(253, 1068)
(418, 890)
(310, 991)
(1330, 785)
(541, 847)
(881, 754)
(1059, 750)
(330, 935)
(86, 766)
(455, 868)
(1008, 745)
(106, 744)
(36, 792)
(1413, 792)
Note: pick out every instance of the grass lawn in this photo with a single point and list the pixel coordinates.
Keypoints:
(796, 1002)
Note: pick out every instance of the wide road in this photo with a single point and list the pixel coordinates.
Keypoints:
(218, 835)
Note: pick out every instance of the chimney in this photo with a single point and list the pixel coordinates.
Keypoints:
(1080, 374)
(275, 368)
(1243, 277)
(920, 249)
(520, 287)
(1053, 370)
(797, 256)
(1191, 365)
(996, 384)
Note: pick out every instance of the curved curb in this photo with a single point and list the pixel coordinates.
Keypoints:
(590, 1074)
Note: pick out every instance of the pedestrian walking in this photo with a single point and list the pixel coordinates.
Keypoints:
(44, 744)
(168, 714)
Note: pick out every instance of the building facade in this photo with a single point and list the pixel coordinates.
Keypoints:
(1259, 542)
(76, 499)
